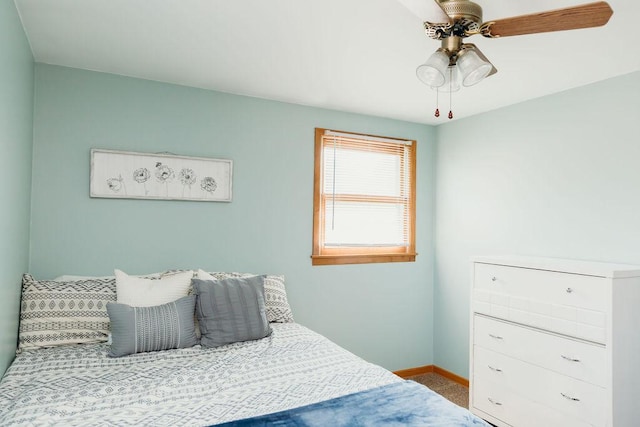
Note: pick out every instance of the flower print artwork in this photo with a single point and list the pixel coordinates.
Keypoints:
(208, 184)
(164, 173)
(164, 176)
(187, 178)
(141, 176)
(116, 184)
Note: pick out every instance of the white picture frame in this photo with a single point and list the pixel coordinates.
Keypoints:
(133, 175)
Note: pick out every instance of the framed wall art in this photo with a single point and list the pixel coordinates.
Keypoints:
(131, 175)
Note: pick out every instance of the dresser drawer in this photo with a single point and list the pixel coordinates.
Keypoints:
(495, 400)
(568, 304)
(565, 289)
(568, 396)
(577, 359)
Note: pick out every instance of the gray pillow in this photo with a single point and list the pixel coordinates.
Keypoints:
(231, 310)
(162, 327)
(275, 294)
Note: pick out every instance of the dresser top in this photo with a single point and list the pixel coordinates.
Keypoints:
(590, 268)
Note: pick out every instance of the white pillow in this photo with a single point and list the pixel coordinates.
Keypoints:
(139, 292)
(203, 275)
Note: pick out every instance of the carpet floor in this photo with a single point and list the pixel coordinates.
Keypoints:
(453, 391)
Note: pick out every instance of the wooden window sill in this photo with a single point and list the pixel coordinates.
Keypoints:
(360, 259)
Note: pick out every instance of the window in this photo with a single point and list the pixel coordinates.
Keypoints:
(364, 199)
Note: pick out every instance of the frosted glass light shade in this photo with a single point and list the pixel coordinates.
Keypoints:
(451, 80)
(432, 72)
(472, 68)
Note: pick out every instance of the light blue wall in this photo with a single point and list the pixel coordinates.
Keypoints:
(557, 176)
(16, 118)
(382, 312)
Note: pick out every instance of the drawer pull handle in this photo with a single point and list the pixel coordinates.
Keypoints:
(497, 337)
(494, 278)
(569, 290)
(495, 402)
(574, 399)
(494, 369)
(570, 359)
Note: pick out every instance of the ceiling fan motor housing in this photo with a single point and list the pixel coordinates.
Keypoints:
(466, 16)
(459, 9)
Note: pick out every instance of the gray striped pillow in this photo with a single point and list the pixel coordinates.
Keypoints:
(231, 310)
(142, 329)
(275, 294)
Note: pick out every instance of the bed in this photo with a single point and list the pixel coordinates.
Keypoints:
(292, 376)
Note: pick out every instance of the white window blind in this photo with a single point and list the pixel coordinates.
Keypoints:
(366, 191)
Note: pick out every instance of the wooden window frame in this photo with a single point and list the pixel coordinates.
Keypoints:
(359, 255)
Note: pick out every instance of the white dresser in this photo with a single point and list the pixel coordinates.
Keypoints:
(555, 342)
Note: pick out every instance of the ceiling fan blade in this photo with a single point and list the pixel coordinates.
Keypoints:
(570, 18)
(484, 58)
(427, 11)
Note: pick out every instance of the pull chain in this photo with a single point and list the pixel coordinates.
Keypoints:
(437, 114)
(450, 92)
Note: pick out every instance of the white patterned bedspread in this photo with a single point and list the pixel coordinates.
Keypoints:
(80, 385)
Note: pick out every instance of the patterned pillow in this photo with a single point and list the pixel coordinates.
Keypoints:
(162, 327)
(73, 277)
(58, 313)
(278, 309)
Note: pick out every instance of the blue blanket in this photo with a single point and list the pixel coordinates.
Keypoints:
(405, 403)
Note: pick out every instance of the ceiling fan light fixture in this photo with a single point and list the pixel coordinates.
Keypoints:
(472, 68)
(451, 80)
(458, 64)
(432, 73)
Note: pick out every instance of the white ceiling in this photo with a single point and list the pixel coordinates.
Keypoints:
(349, 55)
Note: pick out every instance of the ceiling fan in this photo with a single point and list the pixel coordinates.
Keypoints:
(451, 21)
